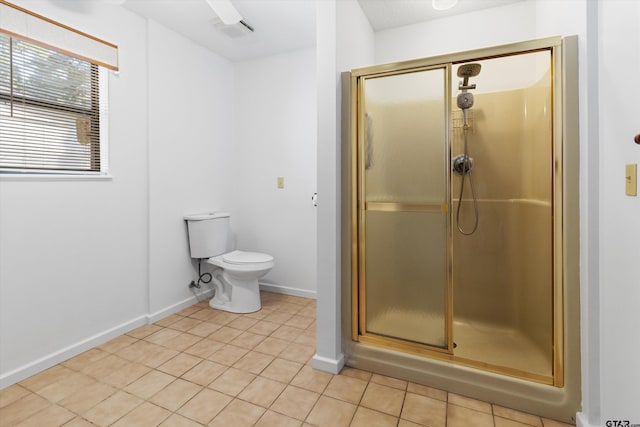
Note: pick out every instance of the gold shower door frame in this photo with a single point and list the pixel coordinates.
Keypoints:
(397, 207)
(358, 243)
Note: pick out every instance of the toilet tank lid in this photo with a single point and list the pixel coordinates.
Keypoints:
(208, 215)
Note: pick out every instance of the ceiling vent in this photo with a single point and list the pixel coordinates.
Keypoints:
(239, 29)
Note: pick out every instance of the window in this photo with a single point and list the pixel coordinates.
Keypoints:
(49, 110)
(52, 95)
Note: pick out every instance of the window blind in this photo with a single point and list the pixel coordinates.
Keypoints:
(49, 109)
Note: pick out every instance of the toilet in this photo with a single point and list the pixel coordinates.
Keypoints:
(235, 273)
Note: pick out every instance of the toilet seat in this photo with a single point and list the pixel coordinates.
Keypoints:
(242, 257)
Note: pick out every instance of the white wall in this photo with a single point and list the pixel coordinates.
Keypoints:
(275, 116)
(344, 41)
(620, 214)
(73, 252)
(191, 129)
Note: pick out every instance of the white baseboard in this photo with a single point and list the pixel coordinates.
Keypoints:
(279, 289)
(326, 364)
(68, 352)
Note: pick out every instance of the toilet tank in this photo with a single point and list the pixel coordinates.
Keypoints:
(209, 234)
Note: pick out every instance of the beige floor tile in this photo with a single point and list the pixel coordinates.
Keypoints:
(176, 420)
(264, 327)
(146, 353)
(204, 372)
(228, 355)
(248, 340)
(514, 415)
(225, 334)
(182, 341)
(11, 394)
(22, 408)
(346, 388)
(287, 333)
(111, 409)
(278, 317)
(149, 384)
(162, 336)
(46, 377)
(204, 314)
(306, 338)
(298, 353)
(329, 412)
(467, 402)
(175, 394)
(460, 416)
(204, 329)
(144, 331)
(424, 410)
(262, 392)
(365, 417)
(169, 320)
(189, 310)
(205, 405)
(79, 422)
(73, 382)
(53, 415)
(238, 414)
(301, 322)
(553, 423)
(312, 379)
(185, 324)
(356, 373)
(405, 423)
(282, 370)
(242, 323)
(295, 402)
(389, 381)
(146, 414)
(253, 362)
(83, 400)
(272, 346)
(83, 360)
(224, 317)
(204, 348)
(503, 422)
(117, 344)
(179, 364)
(126, 375)
(423, 390)
(260, 314)
(104, 367)
(273, 419)
(232, 381)
(383, 399)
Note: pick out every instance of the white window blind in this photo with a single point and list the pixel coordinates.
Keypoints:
(52, 102)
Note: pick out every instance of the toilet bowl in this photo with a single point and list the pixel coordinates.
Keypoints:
(235, 273)
(235, 278)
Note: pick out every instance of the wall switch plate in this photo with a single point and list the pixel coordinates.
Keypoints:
(281, 182)
(631, 180)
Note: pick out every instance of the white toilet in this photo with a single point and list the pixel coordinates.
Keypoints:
(236, 273)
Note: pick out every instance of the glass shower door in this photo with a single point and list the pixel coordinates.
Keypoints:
(403, 207)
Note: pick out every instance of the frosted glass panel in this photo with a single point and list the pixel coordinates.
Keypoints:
(406, 276)
(405, 224)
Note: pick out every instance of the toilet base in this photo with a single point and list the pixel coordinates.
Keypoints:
(244, 298)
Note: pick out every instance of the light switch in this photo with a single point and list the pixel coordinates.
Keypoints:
(631, 180)
(281, 182)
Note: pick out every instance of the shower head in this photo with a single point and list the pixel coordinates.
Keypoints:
(468, 70)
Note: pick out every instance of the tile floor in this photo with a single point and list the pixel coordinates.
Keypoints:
(207, 367)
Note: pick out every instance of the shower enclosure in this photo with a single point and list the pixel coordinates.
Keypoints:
(469, 273)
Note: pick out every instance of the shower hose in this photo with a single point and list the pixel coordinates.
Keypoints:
(466, 169)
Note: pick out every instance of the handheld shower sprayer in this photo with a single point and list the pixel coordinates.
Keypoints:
(463, 164)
